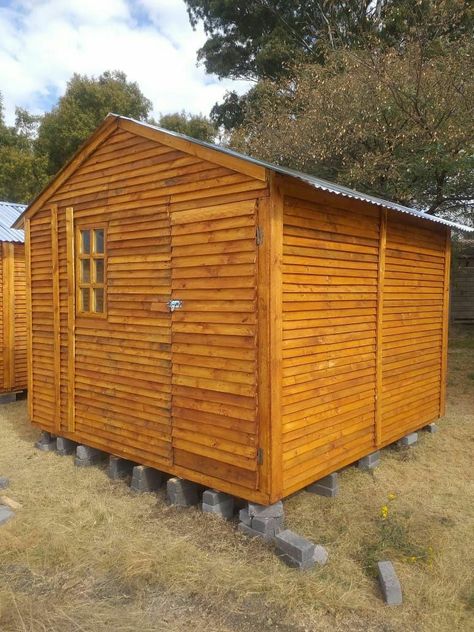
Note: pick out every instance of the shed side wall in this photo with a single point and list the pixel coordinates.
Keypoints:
(336, 328)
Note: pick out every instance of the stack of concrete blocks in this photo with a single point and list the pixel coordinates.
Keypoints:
(5, 512)
(327, 486)
(218, 503)
(369, 462)
(86, 456)
(431, 428)
(119, 468)
(146, 479)
(298, 552)
(65, 446)
(182, 493)
(408, 440)
(46, 442)
(260, 521)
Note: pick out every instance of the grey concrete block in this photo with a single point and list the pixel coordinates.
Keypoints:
(223, 510)
(119, 468)
(213, 497)
(7, 398)
(46, 442)
(389, 583)
(431, 428)
(267, 525)
(145, 479)
(327, 486)
(246, 530)
(5, 514)
(320, 555)
(369, 462)
(86, 456)
(4, 482)
(294, 546)
(245, 518)
(65, 446)
(268, 511)
(407, 440)
(182, 493)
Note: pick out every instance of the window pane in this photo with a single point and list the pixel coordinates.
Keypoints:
(99, 299)
(85, 270)
(85, 300)
(99, 270)
(85, 242)
(99, 241)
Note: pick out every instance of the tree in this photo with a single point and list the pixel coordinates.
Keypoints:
(266, 39)
(22, 172)
(194, 125)
(395, 124)
(85, 104)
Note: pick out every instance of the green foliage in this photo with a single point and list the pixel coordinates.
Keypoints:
(398, 125)
(196, 126)
(22, 172)
(83, 107)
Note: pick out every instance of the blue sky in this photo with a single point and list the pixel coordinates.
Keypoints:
(43, 42)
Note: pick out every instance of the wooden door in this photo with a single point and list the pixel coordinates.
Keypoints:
(122, 365)
(214, 345)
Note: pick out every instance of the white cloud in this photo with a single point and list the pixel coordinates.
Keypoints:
(43, 42)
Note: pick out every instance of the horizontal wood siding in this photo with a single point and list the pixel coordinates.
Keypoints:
(19, 348)
(412, 341)
(123, 385)
(330, 271)
(214, 259)
(42, 398)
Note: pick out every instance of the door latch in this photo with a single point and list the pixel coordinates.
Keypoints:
(175, 304)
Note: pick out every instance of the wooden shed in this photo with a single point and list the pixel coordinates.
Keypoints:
(226, 320)
(13, 303)
(462, 298)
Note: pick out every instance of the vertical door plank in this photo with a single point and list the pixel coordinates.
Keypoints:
(71, 319)
(56, 318)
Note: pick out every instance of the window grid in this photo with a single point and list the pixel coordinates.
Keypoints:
(90, 271)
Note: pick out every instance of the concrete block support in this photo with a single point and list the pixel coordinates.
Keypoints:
(369, 462)
(408, 440)
(146, 479)
(218, 503)
(119, 468)
(389, 583)
(65, 446)
(327, 486)
(86, 456)
(4, 482)
(7, 398)
(182, 493)
(431, 428)
(260, 521)
(5, 514)
(298, 552)
(46, 442)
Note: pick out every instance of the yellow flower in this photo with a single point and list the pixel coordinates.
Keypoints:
(384, 512)
(391, 496)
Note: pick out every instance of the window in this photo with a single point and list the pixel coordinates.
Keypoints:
(90, 270)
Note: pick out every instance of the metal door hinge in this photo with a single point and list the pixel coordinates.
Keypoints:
(259, 236)
(260, 456)
(174, 305)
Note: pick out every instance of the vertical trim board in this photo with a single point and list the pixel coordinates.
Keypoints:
(379, 335)
(56, 317)
(71, 320)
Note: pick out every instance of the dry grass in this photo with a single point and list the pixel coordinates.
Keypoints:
(84, 554)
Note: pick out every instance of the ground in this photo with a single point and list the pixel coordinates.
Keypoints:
(85, 554)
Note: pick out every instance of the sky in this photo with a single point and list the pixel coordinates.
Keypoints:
(43, 42)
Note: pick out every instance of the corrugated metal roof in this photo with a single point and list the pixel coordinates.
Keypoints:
(317, 183)
(9, 213)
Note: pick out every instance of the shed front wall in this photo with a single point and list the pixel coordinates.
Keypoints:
(173, 390)
(13, 371)
(364, 331)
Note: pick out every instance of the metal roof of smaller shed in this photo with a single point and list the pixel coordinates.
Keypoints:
(9, 213)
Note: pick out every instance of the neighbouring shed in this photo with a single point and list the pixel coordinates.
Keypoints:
(13, 375)
(229, 321)
(462, 297)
